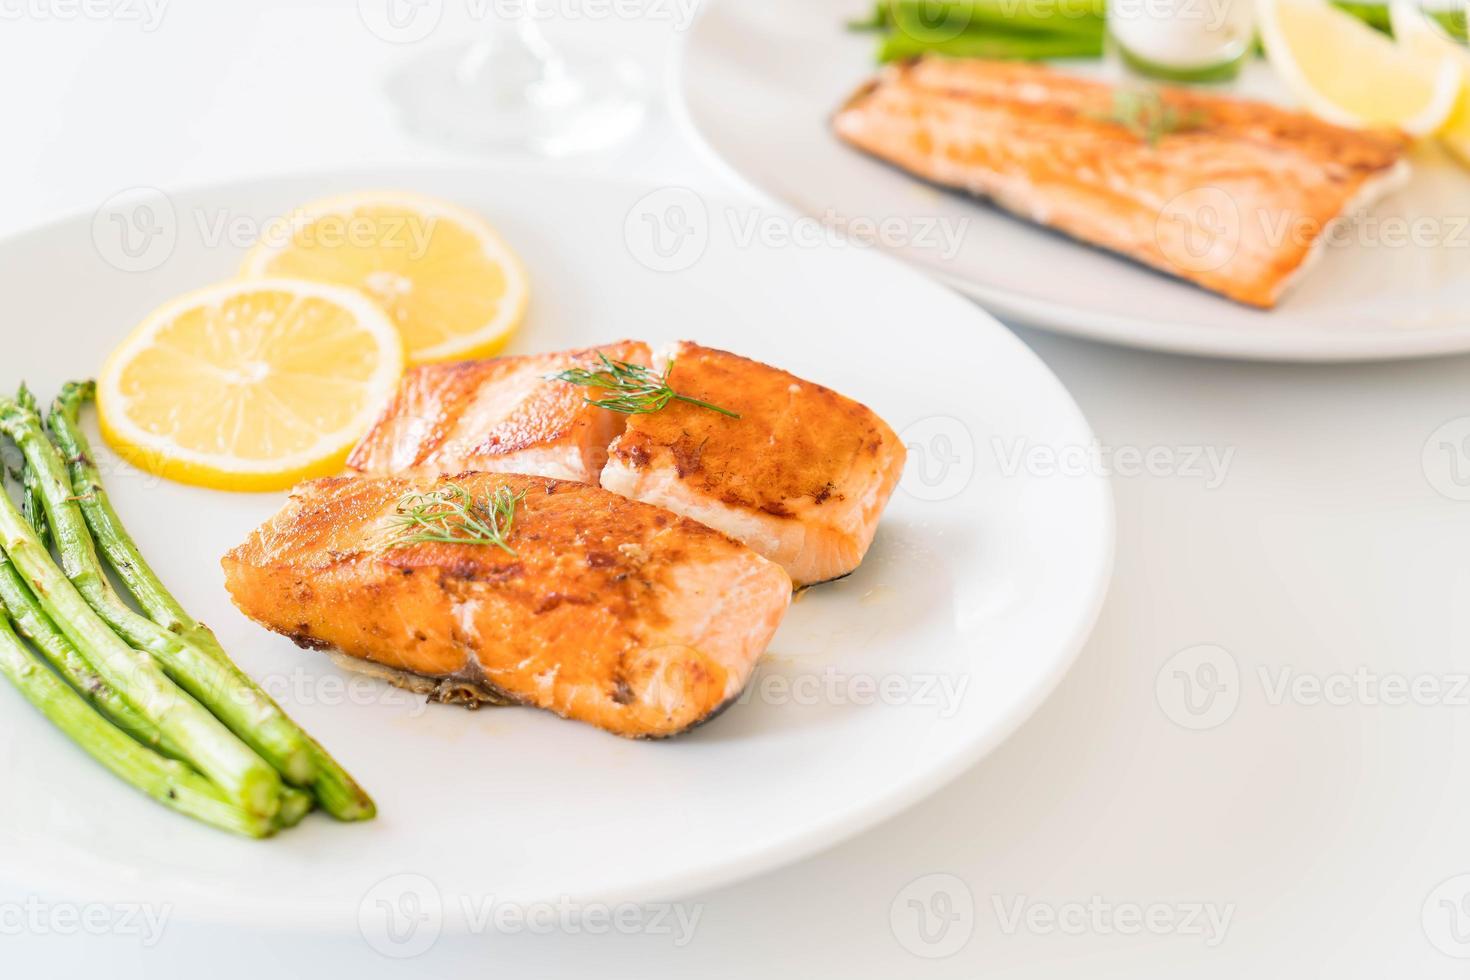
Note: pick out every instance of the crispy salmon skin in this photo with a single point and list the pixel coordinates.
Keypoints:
(801, 476)
(1234, 195)
(502, 415)
(610, 611)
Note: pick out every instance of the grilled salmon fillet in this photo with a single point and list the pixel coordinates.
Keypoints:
(610, 611)
(1233, 195)
(500, 415)
(802, 476)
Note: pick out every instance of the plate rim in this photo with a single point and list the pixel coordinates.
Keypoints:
(23, 867)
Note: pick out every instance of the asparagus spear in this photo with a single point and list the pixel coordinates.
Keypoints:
(925, 19)
(30, 503)
(1016, 29)
(33, 624)
(242, 776)
(1000, 44)
(1451, 19)
(166, 780)
(1064, 16)
(338, 794)
(295, 805)
(221, 688)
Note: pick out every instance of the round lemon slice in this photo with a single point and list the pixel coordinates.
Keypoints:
(1418, 34)
(443, 275)
(1349, 74)
(250, 384)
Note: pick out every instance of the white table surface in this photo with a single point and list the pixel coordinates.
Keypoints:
(1330, 549)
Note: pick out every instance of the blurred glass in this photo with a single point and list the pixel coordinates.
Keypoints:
(513, 89)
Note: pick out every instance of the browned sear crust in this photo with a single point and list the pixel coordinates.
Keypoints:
(802, 476)
(794, 444)
(609, 611)
(1233, 195)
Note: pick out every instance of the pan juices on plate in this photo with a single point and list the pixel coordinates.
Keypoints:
(465, 562)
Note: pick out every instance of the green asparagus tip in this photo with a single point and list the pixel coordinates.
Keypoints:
(338, 793)
(81, 391)
(360, 810)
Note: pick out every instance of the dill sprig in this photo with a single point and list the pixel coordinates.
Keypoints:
(1145, 114)
(452, 515)
(637, 390)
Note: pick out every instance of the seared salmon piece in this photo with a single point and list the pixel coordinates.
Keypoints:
(1232, 195)
(609, 611)
(801, 476)
(500, 415)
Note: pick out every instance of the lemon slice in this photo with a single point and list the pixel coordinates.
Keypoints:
(1349, 74)
(250, 384)
(1416, 34)
(443, 275)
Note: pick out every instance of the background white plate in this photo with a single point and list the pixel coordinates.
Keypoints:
(760, 78)
(984, 575)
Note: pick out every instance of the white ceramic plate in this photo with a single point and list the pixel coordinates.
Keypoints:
(982, 585)
(759, 79)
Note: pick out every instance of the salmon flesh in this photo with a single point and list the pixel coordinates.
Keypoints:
(1232, 195)
(501, 415)
(802, 476)
(608, 611)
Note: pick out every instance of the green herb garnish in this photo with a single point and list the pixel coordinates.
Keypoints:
(1145, 114)
(637, 390)
(452, 515)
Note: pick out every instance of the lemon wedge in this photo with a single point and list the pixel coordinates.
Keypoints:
(1425, 39)
(1349, 74)
(250, 384)
(441, 273)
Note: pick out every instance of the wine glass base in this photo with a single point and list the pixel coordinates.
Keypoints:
(574, 104)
